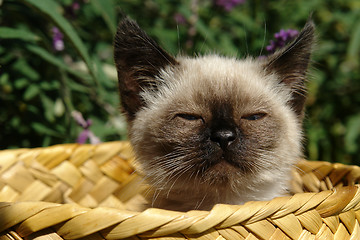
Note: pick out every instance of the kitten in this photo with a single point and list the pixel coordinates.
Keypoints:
(212, 129)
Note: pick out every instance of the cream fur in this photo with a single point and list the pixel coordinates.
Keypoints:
(214, 78)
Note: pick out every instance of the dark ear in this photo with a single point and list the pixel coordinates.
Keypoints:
(138, 61)
(291, 64)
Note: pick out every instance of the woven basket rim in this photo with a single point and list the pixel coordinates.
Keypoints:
(158, 222)
(325, 212)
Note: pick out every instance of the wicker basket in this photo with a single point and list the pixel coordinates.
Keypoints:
(76, 191)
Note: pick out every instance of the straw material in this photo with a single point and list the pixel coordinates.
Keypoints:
(74, 191)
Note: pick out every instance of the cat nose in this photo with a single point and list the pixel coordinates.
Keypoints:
(223, 137)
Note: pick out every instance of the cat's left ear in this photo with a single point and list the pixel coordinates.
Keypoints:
(291, 64)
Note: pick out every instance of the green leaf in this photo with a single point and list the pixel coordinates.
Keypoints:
(51, 10)
(4, 78)
(49, 85)
(31, 92)
(226, 47)
(15, 122)
(44, 130)
(55, 61)
(48, 105)
(46, 141)
(12, 33)
(103, 78)
(208, 35)
(352, 134)
(74, 86)
(354, 44)
(107, 11)
(23, 67)
(21, 83)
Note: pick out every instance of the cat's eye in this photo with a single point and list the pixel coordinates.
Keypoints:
(189, 117)
(254, 117)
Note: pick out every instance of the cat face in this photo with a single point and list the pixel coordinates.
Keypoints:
(212, 123)
(219, 121)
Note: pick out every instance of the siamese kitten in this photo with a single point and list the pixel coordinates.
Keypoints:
(212, 129)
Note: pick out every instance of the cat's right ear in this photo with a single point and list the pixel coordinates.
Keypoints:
(138, 59)
(291, 65)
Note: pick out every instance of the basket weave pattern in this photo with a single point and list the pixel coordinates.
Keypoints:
(74, 191)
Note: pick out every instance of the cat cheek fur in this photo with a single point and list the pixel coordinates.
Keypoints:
(187, 169)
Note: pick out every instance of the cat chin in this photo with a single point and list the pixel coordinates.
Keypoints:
(222, 170)
(221, 184)
(204, 196)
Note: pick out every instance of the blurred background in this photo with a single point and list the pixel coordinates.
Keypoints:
(58, 82)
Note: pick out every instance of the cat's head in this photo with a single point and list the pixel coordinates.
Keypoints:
(211, 120)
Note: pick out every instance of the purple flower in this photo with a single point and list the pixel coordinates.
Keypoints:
(281, 38)
(179, 18)
(86, 133)
(75, 6)
(72, 9)
(58, 43)
(228, 5)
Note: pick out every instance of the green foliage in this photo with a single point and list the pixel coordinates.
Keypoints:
(40, 87)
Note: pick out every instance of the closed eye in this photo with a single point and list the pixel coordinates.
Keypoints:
(254, 117)
(190, 117)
